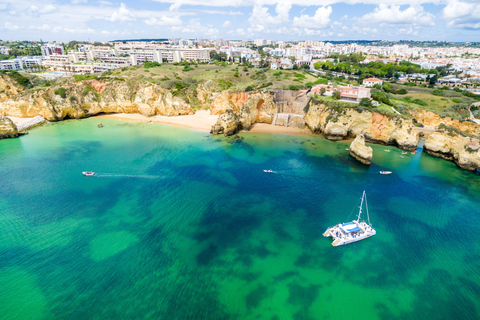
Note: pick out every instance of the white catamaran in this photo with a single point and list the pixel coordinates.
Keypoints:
(351, 231)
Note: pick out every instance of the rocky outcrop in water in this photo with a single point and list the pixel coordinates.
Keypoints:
(88, 98)
(360, 151)
(227, 123)
(464, 151)
(7, 128)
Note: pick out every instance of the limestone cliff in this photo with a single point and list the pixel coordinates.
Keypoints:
(431, 119)
(464, 151)
(258, 107)
(337, 124)
(7, 128)
(8, 88)
(360, 151)
(89, 98)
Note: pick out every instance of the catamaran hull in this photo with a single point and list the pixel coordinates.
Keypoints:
(340, 242)
(346, 239)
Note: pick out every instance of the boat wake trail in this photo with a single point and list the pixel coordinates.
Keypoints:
(114, 175)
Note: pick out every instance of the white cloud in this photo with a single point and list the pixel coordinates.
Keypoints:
(195, 27)
(78, 1)
(320, 20)
(394, 15)
(246, 3)
(121, 15)
(105, 3)
(10, 27)
(226, 24)
(237, 32)
(260, 19)
(460, 14)
(45, 9)
(164, 21)
(45, 27)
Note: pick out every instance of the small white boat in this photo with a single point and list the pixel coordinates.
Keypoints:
(268, 171)
(88, 173)
(354, 231)
(385, 172)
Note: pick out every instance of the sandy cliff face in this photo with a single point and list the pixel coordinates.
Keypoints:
(465, 152)
(7, 128)
(227, 100)
(338, 124)
(360, 151)
(431, 119)
(259, 107)
(8, 88)
(89, 98)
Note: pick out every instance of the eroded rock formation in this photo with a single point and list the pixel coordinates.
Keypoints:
(464, 151)
(360, 151)
(227, 123)
(7, 128)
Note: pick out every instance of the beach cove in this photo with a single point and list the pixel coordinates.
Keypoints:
(180, 224)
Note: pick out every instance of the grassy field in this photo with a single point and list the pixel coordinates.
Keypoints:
(452, 103)
(233, 77)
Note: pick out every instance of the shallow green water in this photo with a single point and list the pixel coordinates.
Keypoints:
(182, 225)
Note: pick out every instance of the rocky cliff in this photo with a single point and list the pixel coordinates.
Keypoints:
(464, 151)
(92, 97)
(428, 118)
(360, 151)
(339, 123)
(259, 107)
(7, 128)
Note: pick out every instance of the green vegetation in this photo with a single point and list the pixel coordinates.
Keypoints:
(19, 78)
(62, 92)
(151, 64)
(350, 64)
(82, 77)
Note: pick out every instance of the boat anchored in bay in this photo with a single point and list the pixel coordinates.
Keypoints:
(354, 231)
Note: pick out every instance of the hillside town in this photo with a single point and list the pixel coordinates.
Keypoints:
(462, 63)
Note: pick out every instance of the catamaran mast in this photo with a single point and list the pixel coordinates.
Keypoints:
(366, 206)
(361, 205)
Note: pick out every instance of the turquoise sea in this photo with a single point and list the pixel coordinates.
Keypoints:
(179, 224)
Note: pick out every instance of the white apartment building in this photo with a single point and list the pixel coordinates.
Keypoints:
(51, 48)
(248, 54)
(12, 64)
(32, 61)
(260, 42)
(4, 50)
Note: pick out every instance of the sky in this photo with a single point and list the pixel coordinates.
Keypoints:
(323, 20)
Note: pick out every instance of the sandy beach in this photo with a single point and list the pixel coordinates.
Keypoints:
(202, 120)
(17, 120)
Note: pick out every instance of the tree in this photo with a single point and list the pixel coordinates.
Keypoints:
(322, 91)
(432, 80)
(336, 95)
(365, 102)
